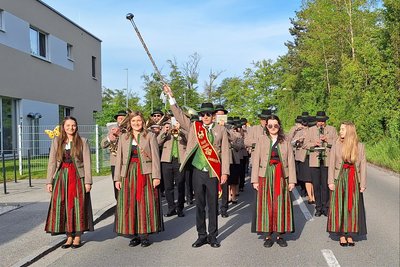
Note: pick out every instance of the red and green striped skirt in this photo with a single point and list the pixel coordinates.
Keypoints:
(273, 206)
(138, 206)
(70, 209)
(344, 203)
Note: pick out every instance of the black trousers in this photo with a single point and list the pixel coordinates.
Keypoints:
(189, 182)
(112, 177)
(206, 192)
(224, 197)
(242, 172)
(172, 176)
(319, 176)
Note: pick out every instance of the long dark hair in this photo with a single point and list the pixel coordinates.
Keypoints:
(281, 134)
(63, 139)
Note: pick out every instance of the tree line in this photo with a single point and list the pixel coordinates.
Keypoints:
(344, 59)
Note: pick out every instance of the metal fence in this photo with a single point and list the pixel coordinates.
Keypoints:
(34, 144)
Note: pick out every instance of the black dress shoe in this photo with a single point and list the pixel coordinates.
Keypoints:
(180, 213)
(311, 202)
(145, 243)
(234, 202)
(268, 243)
(350, 243)
(224, 214)
(281, 242)
(76, 245)
(318, 213)
(134, 242)
(199, 242)
(171, 213)
(325, 212)
(64, 246)
(214, 242)
(345, 244)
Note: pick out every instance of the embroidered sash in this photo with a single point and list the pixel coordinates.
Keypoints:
(208, 152)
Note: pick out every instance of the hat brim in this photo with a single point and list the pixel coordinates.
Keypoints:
(206, 110)
(321, 118)
(224, 110)
(263, 116)
(120, 114)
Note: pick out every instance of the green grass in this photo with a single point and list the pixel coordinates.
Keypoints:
(39, 170)
(385, 153)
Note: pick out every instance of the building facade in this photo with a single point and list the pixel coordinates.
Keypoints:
(50, 67)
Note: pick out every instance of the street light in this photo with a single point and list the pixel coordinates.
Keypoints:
(127, 86)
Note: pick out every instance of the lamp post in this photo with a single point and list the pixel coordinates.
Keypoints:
(127, 88)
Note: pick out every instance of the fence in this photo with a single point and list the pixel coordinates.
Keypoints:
(34, 147)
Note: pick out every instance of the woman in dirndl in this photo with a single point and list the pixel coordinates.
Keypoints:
(69, 181)
(347, 182)
(273, 177)
(137, 176)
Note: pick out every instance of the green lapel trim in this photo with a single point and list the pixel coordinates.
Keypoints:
(129, 152)
(188, 156)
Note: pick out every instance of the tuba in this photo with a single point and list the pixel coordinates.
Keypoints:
(163, 119)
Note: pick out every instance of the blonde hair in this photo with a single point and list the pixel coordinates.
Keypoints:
(350, 143)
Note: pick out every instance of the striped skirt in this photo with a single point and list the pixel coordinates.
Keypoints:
(343, 216)
(273, 206)
(138, 206)
(70, 209)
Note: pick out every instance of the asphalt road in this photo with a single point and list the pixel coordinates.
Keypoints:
(310, 245)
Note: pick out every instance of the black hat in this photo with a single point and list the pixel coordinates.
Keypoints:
(265, 113)
(311, 121)
(243, 121)
(120, 113)
(304, 115)
(236, 120)
(220, 108)
(321, 116)
(157, 111)
(207, 107)
(230, 120)
(298, 119)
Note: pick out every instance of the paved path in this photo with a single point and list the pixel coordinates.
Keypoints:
(310, 245)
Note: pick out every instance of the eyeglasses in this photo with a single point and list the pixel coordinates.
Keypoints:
(157, 115)
(270, 126)
(208, 114)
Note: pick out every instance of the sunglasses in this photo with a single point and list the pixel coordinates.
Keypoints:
(208, 114)
(270, 126)
(157, 115)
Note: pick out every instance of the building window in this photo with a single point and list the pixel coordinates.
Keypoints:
(38, 43)
(64, 112)
(94, 67)
(1, 19)
(69, 51)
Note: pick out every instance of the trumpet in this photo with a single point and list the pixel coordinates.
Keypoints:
(175, 132)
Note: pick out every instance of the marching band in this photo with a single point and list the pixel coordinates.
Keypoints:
(204, 160)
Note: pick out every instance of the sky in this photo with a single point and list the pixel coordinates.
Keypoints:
(227, 34)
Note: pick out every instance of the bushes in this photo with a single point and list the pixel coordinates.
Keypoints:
(385, 153)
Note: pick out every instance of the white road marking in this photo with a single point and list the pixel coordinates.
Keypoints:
(330, 258)
(299, 201)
